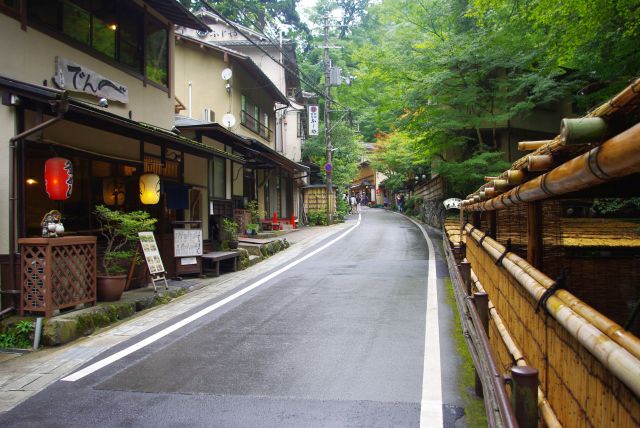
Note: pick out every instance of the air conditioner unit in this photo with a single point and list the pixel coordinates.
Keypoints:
(208, 115)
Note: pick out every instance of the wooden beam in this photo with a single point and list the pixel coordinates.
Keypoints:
(534, 234)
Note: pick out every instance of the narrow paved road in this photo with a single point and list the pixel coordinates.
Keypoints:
(336, 340)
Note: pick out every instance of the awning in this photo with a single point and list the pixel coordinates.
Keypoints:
(34, 96)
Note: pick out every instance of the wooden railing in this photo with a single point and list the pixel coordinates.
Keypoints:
(57, 273)
(255, 125)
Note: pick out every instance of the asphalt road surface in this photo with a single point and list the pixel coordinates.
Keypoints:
(338, 339)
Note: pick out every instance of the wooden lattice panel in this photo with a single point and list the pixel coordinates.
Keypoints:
(33, 277)
(57, 273)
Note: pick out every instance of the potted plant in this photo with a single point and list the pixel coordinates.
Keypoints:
(120, 232)
(252, 229)
(231, 227)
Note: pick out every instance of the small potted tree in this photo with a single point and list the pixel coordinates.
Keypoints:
(120, 233)
(231, 227)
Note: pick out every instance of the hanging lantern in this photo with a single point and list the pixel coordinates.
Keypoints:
(113, 193)
(149, 189)
(58, 178)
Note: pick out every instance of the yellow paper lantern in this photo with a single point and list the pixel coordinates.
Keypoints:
(149, 189)
(112, 192)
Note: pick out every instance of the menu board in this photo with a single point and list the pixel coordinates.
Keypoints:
(151, 253)
(187, 242)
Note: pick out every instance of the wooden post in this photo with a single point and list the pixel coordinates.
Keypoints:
(524, 395)
(534, 234)
(491, 223)
(475, 219)
(465, 273)
(481, 302)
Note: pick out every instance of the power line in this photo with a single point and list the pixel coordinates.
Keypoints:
(232, 24)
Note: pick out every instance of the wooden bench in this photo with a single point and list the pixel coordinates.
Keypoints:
(217, 256)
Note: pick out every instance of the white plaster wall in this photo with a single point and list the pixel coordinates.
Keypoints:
(29, 56)
(7, 130)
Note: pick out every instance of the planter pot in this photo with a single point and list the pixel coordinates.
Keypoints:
(233, 245)
(110, 288)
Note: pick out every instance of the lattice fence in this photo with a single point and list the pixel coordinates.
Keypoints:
(57, 273)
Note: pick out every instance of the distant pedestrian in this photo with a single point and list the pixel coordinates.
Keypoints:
(399, 202)
(352, 205)
(358, 200)
(386, 201)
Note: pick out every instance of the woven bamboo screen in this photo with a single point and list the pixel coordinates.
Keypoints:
(581, 391)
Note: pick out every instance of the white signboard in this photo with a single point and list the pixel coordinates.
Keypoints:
(78, 78)
(151, 253)
(314, 120)
(187, 242)
(452, 203)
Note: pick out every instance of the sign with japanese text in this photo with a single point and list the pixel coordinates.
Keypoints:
(78, 78)
(151, 253)
(314, 120)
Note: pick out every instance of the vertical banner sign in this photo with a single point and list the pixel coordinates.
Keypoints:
(313, 120)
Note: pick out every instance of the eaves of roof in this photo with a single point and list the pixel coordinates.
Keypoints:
(246, 145)
(178, 14)
(93, 117)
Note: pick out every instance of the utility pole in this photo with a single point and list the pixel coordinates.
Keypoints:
(327, 117)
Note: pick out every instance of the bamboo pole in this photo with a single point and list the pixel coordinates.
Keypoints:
(527, 146)
(515, 177)
(539, 163)
(617, 157)
(618, 360)
(613, 330)
(583, 130)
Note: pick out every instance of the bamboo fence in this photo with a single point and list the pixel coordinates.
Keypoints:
(589, 378)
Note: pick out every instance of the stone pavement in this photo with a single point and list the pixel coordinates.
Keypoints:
(23, 375)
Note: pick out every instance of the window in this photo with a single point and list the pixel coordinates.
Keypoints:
(103, 35)
(155, 49)
(217, 185)
(76, 21)
(116, 29)
(252, 118)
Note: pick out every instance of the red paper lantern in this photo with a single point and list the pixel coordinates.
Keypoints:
(58, 178)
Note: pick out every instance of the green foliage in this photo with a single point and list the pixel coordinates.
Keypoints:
(317, 218)
(120, 231)
(463, 177)
(617, 206)
(18, 336)
(231, 227)
(256, 213)
(413, 205)
(342, 208)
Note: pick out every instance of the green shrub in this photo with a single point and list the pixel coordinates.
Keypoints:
(17, 337)
(317, 218)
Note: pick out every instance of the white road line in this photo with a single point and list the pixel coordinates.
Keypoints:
(431, 403)
(149, 340)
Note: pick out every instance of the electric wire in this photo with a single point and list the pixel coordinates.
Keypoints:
(319, 92)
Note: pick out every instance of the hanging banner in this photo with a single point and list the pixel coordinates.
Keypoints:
(314, 120)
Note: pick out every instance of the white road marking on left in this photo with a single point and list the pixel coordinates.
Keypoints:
(153, 338)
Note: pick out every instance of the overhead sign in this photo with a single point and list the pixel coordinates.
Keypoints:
(452, 203)
(314, 120)
(78, 78)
